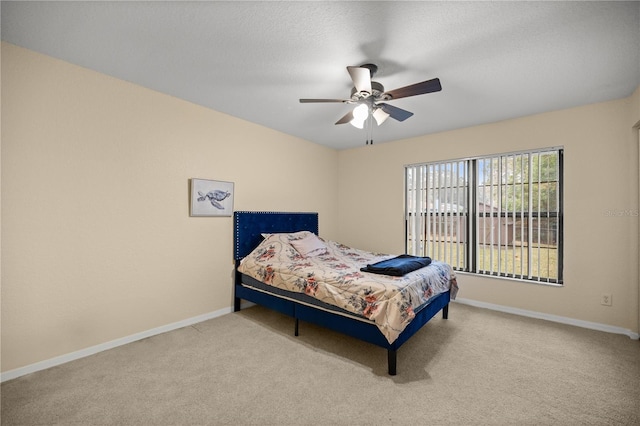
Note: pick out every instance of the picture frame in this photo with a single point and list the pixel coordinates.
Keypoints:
(211, 198)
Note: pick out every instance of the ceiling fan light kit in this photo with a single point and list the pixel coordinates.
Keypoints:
(360, 114)
(380, 115)
(370, 97)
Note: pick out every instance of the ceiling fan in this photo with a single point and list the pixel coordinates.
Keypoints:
(371, 97)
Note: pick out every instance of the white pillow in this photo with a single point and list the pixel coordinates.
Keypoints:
(310, 245)
(286, 235)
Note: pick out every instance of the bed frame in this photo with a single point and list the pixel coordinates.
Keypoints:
(248, 227)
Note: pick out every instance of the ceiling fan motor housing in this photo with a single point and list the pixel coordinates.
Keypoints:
(377, 90)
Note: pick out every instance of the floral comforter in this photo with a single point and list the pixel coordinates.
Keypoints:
(334, 277)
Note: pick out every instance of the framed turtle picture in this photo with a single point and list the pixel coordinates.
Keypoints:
(211, 198)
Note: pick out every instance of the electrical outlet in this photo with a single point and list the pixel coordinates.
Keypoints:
(605, 299)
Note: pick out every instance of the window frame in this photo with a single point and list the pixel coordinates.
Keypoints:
(472, 214)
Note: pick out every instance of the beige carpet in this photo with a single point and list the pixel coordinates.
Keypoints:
(477, 368)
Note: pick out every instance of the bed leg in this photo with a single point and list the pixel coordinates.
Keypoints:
(296, 330)
(391, 360)
(236, 304)
(445, 311)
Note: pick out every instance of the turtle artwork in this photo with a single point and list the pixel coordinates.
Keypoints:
(214, 197)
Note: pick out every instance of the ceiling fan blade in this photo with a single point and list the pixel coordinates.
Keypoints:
(395, 112)
(428, 86)
(307, 101)
(380, 115)
(361, 78)
(347, 118)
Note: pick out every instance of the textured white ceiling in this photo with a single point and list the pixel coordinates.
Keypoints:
(254, 60)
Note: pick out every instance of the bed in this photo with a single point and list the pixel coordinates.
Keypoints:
(252, 230)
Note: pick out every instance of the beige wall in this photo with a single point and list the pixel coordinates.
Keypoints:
(97, 242)
(635, 107)
(601, 175)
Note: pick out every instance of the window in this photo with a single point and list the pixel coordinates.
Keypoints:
(499, 215)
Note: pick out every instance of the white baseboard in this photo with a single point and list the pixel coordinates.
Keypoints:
(43, 365)
(62, 359)
(548, 317)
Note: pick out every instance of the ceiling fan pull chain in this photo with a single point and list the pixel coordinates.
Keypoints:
(370, 129)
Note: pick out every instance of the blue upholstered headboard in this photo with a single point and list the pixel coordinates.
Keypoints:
(248, 227)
